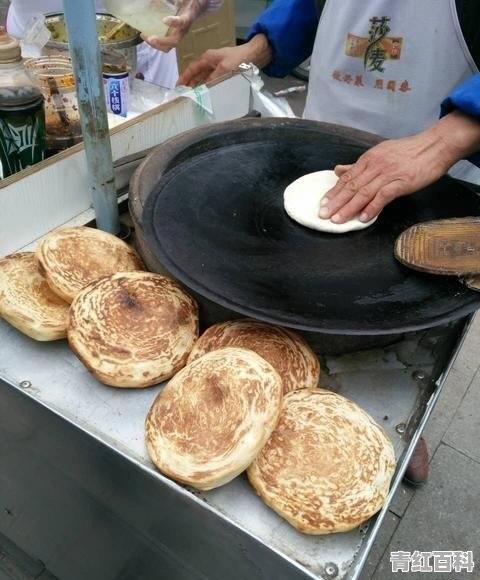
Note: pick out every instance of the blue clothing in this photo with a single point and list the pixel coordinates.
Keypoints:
(290, 26)
(466, 98)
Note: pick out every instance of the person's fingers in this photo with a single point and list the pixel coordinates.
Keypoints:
(218, 72)
(341, 169)
(347, 175)
(195, 69)
(162, 43)
(384, 197)
(358, 203)
(354, 182)
(176, 21)
(328, 208)
(199, 79)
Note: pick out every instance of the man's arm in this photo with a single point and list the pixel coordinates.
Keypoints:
(290, 27)
(278, 41)
(399, 167)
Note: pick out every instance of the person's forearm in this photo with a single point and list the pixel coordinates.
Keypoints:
(257, 51)
(290, 27)
(457, 136)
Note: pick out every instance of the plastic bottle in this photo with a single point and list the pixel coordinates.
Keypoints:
(22, 117)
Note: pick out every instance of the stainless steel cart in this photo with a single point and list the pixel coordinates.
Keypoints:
(77, 488)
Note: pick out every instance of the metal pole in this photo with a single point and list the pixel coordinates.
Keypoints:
(85, 52)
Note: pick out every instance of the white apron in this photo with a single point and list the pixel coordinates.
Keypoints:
(157, 67)
(385, 66)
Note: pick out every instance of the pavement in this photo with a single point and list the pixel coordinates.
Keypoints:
(444, 515)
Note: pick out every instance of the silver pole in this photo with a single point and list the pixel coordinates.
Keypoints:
(85, 53)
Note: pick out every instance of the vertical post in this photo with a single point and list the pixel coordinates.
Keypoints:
(85, 53)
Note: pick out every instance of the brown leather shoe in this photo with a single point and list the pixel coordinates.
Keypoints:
(416, 473)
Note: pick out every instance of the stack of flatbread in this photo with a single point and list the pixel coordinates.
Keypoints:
(133, 329)
(327, 466)
(71, 258)
(247, 399)
(288, 353)
(26, 300)
(36, 288)
(129, 327)
(214, 417)
(242, 397)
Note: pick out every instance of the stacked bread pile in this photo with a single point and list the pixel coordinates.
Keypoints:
(242, 397)
(248, 399)
(129, 327)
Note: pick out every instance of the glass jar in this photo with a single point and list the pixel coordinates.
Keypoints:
(22, 118)
(57, 83)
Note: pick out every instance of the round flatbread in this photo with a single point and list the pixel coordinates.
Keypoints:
(71, 258)
(302, 203)
(327, 466)
(213, 417)
(133, 329)
(26, 300)
(286, 351)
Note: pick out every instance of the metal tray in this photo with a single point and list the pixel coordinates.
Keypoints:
(397, 385)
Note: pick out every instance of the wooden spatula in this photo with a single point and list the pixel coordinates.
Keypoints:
(450, 246)
(473, 283)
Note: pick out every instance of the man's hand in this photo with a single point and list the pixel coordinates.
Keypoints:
(210, 65)
(217, 62)
(178, 28)
(399, 167)
(178, 25)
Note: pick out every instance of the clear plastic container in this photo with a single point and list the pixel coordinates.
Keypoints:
(144, 15)
(55, 77)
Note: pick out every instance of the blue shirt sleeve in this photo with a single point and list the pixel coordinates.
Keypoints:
(290, 26)
(466, 98)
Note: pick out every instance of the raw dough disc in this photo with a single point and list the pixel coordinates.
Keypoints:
(302, 203)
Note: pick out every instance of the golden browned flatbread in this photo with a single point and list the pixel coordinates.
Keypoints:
(133, 329)
(71, 258)
(327, 466)
(213, 417)
(26, 300)
(286, 351)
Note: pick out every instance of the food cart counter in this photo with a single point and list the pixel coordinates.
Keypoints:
(77, 487)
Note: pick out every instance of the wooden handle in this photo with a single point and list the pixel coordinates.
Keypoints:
(450, 246)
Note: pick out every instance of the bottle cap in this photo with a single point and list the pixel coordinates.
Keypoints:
(9, 48)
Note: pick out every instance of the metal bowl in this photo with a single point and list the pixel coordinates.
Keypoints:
(127, 37)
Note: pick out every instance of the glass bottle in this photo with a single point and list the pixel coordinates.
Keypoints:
(54, 75)
(22, 117)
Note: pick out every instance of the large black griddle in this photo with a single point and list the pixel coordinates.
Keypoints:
(215, 220)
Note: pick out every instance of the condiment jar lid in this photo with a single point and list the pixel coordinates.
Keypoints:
(9, 48)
